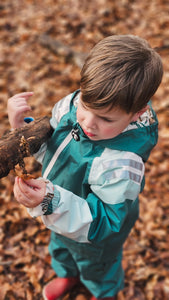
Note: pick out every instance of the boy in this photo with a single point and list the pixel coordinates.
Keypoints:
(93, 165)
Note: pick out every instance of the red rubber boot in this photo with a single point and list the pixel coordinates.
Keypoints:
(58, 287)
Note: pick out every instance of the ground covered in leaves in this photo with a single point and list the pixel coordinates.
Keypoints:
(42, 47)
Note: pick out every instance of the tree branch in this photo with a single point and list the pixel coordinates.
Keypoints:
(23, 142)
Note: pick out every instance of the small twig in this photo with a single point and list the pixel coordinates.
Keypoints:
(161, 48)
(6, 263)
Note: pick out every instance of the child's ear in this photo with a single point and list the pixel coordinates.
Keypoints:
(139, 113)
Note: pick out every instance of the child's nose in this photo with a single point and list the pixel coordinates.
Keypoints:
(90, 121)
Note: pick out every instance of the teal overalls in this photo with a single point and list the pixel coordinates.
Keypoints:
(96, 186)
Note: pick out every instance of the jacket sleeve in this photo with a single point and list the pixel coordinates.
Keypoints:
(59, 110)
(115, 185)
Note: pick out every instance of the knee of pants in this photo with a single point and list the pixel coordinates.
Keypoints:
(62, 260)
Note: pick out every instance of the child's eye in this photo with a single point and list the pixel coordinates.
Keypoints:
(106, 119)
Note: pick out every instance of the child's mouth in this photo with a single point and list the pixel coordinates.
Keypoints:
(88, 133)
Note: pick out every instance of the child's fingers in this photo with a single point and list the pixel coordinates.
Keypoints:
(19, 195)
(30, 192)
(22, 106)
(26, 189)
(22, 95)
(35, 184)
(18, 105)
(17, 101)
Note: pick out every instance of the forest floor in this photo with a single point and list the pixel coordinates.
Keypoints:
(42, 48)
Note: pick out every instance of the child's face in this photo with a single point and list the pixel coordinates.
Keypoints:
(102, 124)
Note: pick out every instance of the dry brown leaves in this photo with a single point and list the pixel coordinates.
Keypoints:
(26, 65)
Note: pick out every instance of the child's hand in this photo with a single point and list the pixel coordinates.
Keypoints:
(30, 193)
(17, 107)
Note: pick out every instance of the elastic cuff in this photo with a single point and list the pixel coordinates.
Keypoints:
(54, 203)
(48, 196)
(46, 206)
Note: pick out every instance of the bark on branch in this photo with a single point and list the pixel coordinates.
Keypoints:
(23, 142)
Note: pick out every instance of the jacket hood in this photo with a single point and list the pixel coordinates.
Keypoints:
(140, 141)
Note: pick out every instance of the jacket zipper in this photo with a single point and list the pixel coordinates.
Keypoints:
(56, 154)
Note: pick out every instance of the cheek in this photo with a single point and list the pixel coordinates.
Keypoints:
(110, 128)
(110, 132)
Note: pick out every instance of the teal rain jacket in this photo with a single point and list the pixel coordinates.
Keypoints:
(96, 187)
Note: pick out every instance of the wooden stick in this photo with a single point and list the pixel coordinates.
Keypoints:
(23, 142)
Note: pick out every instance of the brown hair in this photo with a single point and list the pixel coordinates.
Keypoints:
(121, 71)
